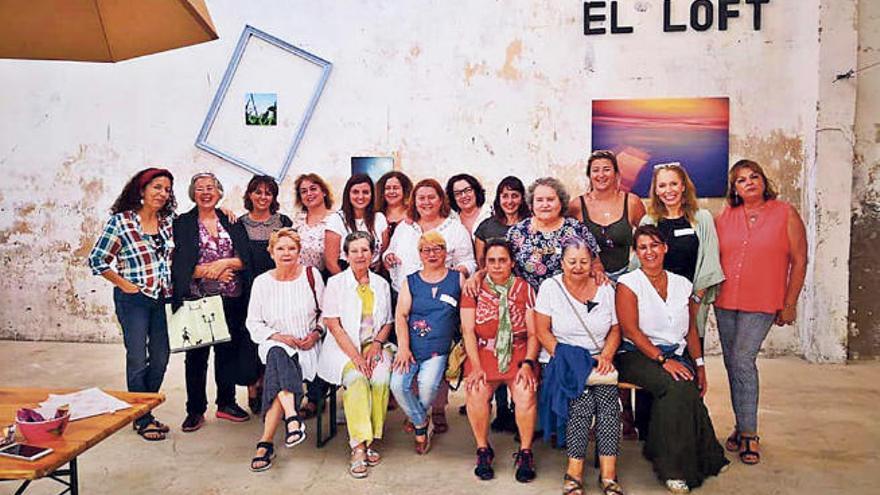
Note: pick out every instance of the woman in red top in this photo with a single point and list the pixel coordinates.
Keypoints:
(499, 336)
(763, 249)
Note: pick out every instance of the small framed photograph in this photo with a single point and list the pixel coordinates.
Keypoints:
(263, 105)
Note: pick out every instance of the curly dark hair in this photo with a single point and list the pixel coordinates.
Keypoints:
(271, 186)
(133, 192)
(478, 188)
(405, 183)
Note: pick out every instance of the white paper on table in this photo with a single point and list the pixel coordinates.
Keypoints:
(83, 404)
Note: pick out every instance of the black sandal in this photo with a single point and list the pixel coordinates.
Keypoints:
(150, 429)
(265, 458)
(747, 455)
(571, 486)
(295, 437)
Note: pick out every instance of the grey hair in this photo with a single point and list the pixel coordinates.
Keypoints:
(202, 175)
(356, 236)
(576, 242)
(553, 183)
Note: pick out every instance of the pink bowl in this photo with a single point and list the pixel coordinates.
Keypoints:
(43, 431)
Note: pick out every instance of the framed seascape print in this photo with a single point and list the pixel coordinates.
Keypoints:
(647, 132)
(263, 105)
(374, 166)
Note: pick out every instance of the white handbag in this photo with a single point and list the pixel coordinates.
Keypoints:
(197, 323)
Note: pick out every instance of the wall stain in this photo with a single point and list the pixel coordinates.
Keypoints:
(782, 157)
(509, 70)
(471, 70)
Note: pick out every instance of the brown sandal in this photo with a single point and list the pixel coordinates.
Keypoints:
(424, 446)
(747, 455)
(733, 442)
(571, 486)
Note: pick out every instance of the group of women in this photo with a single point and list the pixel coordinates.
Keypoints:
(551, 300)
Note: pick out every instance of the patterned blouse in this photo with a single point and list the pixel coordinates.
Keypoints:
(312, 239)
(538, 255)
(213, 249)
(141, 259)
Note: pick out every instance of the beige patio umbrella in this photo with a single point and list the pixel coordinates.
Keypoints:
(100, 30)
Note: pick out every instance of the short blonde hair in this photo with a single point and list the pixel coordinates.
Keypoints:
(432, 238)
(284, 232)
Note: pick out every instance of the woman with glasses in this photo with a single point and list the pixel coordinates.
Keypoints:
(261, 220)
(429, 210)
(208, 261)
(466, 197)
(426, 320)
(357, 214)
(134, 254)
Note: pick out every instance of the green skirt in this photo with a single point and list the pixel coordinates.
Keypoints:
(681, 441)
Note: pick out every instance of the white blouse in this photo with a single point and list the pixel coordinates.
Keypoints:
(405, 245)
(663, 322)
(565, 325)
(340, 300)
(336, 224)
(286, 307)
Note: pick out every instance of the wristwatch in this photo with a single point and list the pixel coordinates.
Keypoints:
(661, 358)
(530, 362)
(700, 362)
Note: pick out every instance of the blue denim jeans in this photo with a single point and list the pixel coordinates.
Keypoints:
(145, 335)
(427, 374)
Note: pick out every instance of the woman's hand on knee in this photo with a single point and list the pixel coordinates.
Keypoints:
(526, 378)
(475, 381)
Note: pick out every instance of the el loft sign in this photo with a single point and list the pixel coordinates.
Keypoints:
(603, 17)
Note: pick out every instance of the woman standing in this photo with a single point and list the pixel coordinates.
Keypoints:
(764, 255)
(314, 200)
(508, 209)
(357, 214)
(262, 218)
(283, 321)
(498, 329)
(426, 321)
(601, 204)
(429, 210)
(357, 311)
(392, 200)
(664, 357)
(134, 254)
(208, 261)
(466, 197)
(576, 322)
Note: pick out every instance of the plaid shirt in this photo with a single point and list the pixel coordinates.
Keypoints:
(139, 260)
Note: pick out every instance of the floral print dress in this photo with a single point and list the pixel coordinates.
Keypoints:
(537, 255)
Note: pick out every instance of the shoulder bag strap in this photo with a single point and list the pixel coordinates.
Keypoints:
(565, 294)
(311, 276)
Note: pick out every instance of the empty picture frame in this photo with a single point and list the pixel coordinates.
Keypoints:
(264, 64)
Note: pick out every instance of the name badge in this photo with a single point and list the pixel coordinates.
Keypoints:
(449, 300)
(683, 232)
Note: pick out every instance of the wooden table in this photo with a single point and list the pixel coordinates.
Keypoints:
(80, 435)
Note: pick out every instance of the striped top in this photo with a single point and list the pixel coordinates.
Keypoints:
(286, 307)
(142, 260)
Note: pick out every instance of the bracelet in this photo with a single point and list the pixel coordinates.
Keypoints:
(700, 362)
(661, 358)
(530, 362)
(377, 341)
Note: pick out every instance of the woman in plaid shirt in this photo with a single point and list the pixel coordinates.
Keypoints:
(134, 254)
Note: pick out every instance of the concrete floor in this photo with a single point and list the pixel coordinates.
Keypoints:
(819, 428)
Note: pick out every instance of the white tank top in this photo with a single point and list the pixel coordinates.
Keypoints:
(663, 322)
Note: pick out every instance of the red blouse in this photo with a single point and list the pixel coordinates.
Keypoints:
(755, 257)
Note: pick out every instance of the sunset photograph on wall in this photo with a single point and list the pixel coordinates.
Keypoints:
(647, 132)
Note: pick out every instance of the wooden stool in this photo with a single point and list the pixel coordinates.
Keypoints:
(328, 396)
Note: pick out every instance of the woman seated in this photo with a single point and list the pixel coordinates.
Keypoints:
(426, 321)
(663, 356)
(499, 335)
(283, 321)
(576, 322)
(357, 311)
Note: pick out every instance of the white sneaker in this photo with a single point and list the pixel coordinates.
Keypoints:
(677, 486)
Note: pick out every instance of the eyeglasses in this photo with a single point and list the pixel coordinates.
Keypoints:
(667, 165)
(432, 250)
(462, 192)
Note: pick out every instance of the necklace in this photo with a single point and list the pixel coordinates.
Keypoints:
(753, 214)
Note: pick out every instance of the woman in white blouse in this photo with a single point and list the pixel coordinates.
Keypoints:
(662, 354)
(357, 214)
(283, 322)
(357, 311)
(576, 322)
(430, 210)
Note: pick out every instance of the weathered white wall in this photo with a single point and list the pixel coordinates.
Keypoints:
(445, 86)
